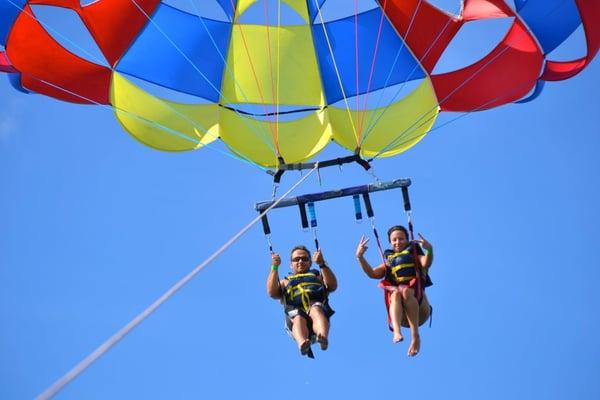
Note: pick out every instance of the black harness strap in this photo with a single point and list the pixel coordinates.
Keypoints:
(282, 167)
(303, 217)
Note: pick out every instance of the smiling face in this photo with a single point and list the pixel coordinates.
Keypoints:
(300, 261)
(398, 240)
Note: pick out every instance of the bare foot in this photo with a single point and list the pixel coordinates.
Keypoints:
(398, 337)
(323, 342)
(415, 346)
(305, 347)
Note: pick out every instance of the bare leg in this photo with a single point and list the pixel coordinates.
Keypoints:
(320, 326)
(412, 314)
(424, 313)
(300, 333)
(396, 315)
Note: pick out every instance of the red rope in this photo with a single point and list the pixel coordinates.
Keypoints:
(371, 73)
(260, 92)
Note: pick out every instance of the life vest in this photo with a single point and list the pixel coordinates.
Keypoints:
(304, 289)
(400, 267)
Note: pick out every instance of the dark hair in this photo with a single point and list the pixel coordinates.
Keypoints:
(397, 228)
(300, 247)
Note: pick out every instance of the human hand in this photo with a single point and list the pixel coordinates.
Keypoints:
(362, 246)
(318, 257)
(275, 259)
(424, 243)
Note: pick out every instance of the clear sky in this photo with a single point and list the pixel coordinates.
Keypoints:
(95, 226)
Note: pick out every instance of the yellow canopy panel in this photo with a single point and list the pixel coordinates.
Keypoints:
(297, 5)
(297, 140)
(399, 126)
(272, 65)
(162, 124)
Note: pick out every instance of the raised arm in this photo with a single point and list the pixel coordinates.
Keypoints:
(427, 258)
(329, 279)
(273, 285)
(374, 273)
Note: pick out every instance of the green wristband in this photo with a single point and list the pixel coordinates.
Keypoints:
(274, 267)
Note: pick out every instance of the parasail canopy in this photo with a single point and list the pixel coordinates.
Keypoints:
(277, 91)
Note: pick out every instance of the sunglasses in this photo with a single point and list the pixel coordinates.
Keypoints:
(298, 259)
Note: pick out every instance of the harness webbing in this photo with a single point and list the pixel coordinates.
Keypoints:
(357, 208)
(313, 222)
(419, 291)
(117, 337)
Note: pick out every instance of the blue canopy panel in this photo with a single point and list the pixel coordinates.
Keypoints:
(15, 81)
(8, 13)
(180, 51)
(313, 9)
(228, 7)
(551, 21)
(539, 87)
(394, 63)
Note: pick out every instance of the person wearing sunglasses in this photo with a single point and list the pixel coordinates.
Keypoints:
(304, 295)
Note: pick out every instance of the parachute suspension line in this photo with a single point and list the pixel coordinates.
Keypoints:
(335, 67)
(481, 107)
(278, 83)
(371, 74)
(176, 47)
(117, 337)
(458, 87)
(221, 56)
(357, 69)
(100, 62)
(50, 29)
(371, 171)
(166, 129)
(371, 215)
(230, 73)
(259, 87)
(371, 124)
(318, 176)
(467, 113)
(260, 135)
(273, 89)
(469, 78)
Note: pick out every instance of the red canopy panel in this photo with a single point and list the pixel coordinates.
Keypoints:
(485, 9)
(426, 29)
(5, 65)
(590, 16)
(113, 24)
(508, 73)
(48, 68)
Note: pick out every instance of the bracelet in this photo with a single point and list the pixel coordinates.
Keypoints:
(274, 267)
(324, 265)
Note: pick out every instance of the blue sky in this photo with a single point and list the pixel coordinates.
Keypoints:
(95, 226)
